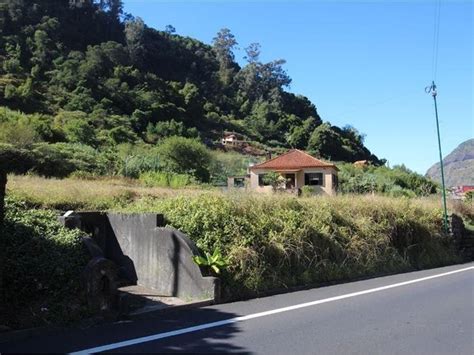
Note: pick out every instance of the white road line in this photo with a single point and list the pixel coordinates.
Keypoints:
(257, 315)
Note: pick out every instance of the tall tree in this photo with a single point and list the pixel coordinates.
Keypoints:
(134, 32)
(169, 29)
(223, 45)
(253, 53)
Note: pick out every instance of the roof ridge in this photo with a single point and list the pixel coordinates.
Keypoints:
(309, 155)
(316, 160)
(278, 156)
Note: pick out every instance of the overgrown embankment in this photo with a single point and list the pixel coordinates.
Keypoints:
(279, 242)
(269, 242)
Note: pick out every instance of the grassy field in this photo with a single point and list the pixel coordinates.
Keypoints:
(77, 194)
(122, 193)
(272, 242)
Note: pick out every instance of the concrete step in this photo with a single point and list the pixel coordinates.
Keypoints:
(137, 302)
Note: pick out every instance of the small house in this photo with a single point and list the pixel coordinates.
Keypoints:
(460, 192)
(296, 169)
(232, 139)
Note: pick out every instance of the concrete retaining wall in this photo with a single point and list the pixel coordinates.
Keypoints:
(147, 253)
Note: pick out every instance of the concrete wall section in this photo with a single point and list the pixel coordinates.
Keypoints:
(147, 254)
(254, 181)
(327, 188)
(178, 275)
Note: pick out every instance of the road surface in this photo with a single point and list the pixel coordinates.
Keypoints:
(424, 312)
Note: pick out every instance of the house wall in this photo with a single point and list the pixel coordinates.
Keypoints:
(254, 181)
(327, 187)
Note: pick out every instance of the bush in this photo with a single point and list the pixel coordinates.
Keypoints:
(397, 191)
(134, 165)
(61, 159)
(185, 156)
(398, 181)
(42, 266)
(164, 179)
(307, 191)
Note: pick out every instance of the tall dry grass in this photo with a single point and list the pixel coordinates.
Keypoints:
(98, 194)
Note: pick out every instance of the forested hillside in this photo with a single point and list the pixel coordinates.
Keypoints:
(82, 72)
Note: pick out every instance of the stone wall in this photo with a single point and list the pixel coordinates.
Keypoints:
(463, 239)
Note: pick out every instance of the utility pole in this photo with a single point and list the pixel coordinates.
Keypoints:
(432, 89)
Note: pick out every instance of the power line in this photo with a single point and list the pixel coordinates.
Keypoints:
(434, 54)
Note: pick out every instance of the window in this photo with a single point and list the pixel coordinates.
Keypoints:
(335, 182)
(313, 179)
(239, 182)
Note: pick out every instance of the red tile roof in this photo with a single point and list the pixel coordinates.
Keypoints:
(291, 160)
(467, 188)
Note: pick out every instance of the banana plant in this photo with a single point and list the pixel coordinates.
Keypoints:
(215, 262)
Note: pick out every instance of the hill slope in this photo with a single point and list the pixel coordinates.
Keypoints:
(102, 78)
(458, 166)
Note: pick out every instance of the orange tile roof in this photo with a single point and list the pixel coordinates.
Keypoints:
(293, 159)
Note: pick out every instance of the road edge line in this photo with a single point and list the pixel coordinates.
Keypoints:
(196, 328)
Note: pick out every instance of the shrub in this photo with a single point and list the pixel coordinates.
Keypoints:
(76, 127)
(307, 191)
(19, 134)
(185, 156)
(397, 191)
(42, 266)
(61, 159)
(134, 165)
(164, 179)
(398, 181)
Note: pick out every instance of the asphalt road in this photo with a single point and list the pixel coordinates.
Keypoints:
(425, 312)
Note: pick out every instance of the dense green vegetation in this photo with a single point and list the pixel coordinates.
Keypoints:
(41, 268)
(396, 182)
(83, 81)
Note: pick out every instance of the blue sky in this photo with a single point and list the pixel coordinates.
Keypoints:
(363, 63)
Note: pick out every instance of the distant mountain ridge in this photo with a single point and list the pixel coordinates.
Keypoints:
(458, 166)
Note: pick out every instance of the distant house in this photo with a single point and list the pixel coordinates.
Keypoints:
(297, 169)
(459, 192)
(232, 139)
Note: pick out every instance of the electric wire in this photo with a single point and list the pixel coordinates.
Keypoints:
(435, 51)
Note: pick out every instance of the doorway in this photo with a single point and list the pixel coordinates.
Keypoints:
(290, 181)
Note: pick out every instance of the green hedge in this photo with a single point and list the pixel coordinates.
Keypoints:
(41, 268)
